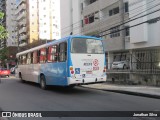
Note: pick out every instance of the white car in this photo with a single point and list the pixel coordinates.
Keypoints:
(120, 65)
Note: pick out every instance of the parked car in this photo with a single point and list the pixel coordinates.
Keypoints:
(120, 65)
(4, 72)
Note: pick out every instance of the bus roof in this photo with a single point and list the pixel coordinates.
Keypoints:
(56, 42)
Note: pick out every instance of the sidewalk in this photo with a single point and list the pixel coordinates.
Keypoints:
(145, 91)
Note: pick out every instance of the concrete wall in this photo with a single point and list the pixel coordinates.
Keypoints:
(148, 34)
(70, 17)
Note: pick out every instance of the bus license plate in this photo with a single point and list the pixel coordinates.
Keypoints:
(89, 72)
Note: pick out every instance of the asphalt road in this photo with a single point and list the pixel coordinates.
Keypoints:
(17, 96)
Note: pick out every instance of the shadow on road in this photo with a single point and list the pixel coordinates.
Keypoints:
(61, 89)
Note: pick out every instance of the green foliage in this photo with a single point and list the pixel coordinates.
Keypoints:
(3, 32)
(3, 54)
(1, 15)
(3, 35)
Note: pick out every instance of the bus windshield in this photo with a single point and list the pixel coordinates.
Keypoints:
(86, 46)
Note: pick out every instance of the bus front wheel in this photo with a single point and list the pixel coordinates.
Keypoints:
(43, 82)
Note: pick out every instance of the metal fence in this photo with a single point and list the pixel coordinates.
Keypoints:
(146, 61)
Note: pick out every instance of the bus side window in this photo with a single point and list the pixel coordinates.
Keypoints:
(47, 52)
(62, 52)
(35, 57)
(28, 58)
(38, 56)
(24, 59)
(20, 60)
(43, 55)
(52, 53)
(31, 57)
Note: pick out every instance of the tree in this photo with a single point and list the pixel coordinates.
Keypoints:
(3, 36)
(3, 31)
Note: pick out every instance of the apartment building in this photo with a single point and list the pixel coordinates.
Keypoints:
(37, 20)
(3, 21)
(70, 13)
(131, 41)
(49, 19)
(11, 22)
(102, 17)
(144, 43)
(22, 22)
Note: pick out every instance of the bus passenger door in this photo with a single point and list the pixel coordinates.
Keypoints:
(62, 64)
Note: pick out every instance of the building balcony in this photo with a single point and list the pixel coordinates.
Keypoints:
(23, 22)
(23, 37)
(101, 24)
(21, 1)
(21, 15)
(21, 7)
(90, 8)
(23, 44)
(22, 30)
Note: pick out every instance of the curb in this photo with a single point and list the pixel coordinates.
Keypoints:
(128, 92)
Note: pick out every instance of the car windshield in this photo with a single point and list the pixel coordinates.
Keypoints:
(86, 46)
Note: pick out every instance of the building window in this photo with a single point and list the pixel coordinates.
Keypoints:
(110, 13)
(126, 7)
(91, 18)
(81, 6)
(82, 23)
(114, 11)
(92, 1)
(127, 31)
(115, 32)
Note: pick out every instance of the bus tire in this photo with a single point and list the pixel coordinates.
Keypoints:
(43, 82)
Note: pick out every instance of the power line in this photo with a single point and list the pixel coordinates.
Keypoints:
(123, 22)
(133, 19)
(120, 9)
(107, 14)
(129, 18)
(147, 21)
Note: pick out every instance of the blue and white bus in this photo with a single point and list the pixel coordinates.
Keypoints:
(70, 61)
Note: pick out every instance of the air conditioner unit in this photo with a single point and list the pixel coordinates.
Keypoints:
(127, 38)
